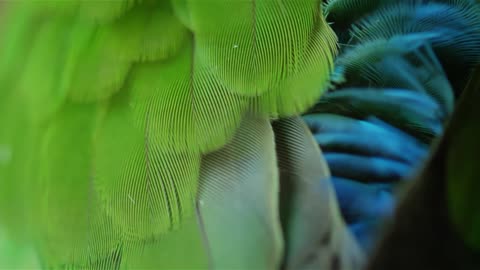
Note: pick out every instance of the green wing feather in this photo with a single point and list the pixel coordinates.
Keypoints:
(268, 42)
(110, 106)
(316, 236)
(238, 200)
(183, 105)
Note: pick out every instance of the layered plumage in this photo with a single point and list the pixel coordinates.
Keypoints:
(136, 134)
(400, 67)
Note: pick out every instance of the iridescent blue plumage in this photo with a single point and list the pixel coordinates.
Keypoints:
(401, 65)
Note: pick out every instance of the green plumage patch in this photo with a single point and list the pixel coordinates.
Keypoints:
(111, 105)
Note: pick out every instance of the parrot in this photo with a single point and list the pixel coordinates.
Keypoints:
(400, 69)
(166, 134)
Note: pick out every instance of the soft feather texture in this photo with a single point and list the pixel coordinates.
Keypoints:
(453, 28)
(401, 65)
(315, 233)
(413, 112)
(238, 200)
(127, 97)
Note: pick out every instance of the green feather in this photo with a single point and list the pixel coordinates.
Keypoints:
(111, 106)
(180, 249)
(238, 200)
(97, 11)
(266, 41)
(69, 221)
(19, 141)
(17, 255)
(183, 105)
(16, 43)
(285, 99)
(146, 33)
(40, 80)
(145, 189)
(316, 236)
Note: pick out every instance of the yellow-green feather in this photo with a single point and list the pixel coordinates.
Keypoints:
(148, 32)
(145, 189)
(17, 27)
(67, 211)
(112, 104)
(183, 105)
(95, 11)
(302, 89)
(264, 41)
(238, 200)
(19, 139)
(41, 74)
